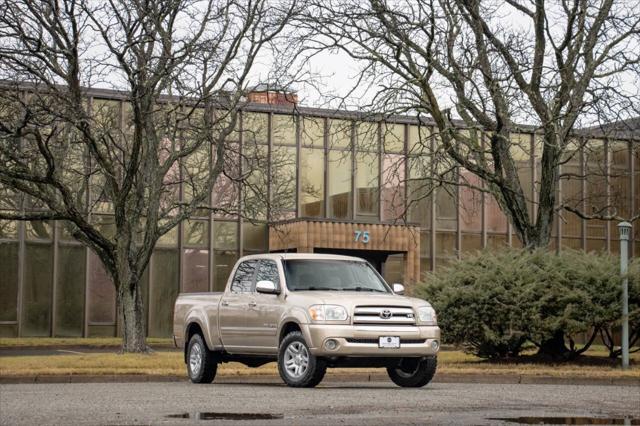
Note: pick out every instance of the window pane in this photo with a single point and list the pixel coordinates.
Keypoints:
(283, 181)
(102, 293)
(284, 129)
(367, 176)
(195, 172)
(164, 290)
(572, 243)
(196, 271)
(471, 243)
(225, 253)
(243, 279)
(225, 260)
(497, 241)
(9, 199)
(225, 190)
(339, 134)
(571, 186)
(445, 248)
(255, 166)
(393, 181)
(225, 235)
(8, 229)
(38, 230)
(339, 184)
(520, 150)
(419, 191)
(70, 290)
(419, 142)
(106, 225)
(620, 179)
(367, 136)
(169, 239)
(196, 233)
(470, 202)
(255, 128)
(268, 271)
(9, 281)
(394, 269)
(393, 136)
(496, 219)
(446, 214)
(312, 182)
(36, 297)
(255, 238)
(596, 197)
(312, 132)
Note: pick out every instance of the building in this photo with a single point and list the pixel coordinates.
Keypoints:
(320, 180)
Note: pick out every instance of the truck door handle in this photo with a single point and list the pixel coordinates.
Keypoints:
(224, 303)
(252, 304)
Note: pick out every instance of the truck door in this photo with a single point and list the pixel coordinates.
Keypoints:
(265, 311)
(234, 305)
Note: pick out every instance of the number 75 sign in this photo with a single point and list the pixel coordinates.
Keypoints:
(361, 236)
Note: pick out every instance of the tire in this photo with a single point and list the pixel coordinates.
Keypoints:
(297, 366)
(415, 372)
(201, 363)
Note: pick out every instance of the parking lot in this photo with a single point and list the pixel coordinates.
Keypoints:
(360, 403)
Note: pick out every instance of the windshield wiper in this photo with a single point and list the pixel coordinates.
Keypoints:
(313, 288)
(360, 288)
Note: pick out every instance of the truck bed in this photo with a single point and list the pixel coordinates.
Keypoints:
(189, 303)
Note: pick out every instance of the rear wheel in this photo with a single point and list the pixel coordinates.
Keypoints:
(201, 364)
(413, 372)
(297, 366)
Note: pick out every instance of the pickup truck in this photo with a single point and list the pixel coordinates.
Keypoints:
(308, 312)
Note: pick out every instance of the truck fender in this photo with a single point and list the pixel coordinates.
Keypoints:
(297, 316)
(197, 316)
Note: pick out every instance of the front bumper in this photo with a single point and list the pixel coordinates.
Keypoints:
(362, 340)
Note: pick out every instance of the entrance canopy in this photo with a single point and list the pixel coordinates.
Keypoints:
(365, 240)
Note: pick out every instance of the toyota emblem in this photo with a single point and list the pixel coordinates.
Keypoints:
(386, 314)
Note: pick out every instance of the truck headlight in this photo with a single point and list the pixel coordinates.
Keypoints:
(426, 314)
(327, 313)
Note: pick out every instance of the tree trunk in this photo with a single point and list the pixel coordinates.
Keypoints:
(132, 314)
(554, 348)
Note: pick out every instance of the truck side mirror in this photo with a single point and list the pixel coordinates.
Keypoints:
(398, 288)
(267, 287)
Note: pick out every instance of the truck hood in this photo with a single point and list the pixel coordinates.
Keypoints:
(351, 299)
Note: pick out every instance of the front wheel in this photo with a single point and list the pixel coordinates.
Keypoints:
(413, 372)
(201, 364)
(297, 366)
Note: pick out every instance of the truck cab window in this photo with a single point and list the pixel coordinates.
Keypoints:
(268, 271)
(243, 279)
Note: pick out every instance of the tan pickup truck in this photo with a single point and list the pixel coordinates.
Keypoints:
(308, 312)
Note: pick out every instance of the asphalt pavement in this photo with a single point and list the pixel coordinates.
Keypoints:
(357, 403)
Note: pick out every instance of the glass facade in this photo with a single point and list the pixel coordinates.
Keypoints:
(298, 166)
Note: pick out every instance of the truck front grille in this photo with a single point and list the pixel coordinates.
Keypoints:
(375, 341)
(383, 315)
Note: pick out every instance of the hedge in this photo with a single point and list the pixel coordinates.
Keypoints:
(496, 302)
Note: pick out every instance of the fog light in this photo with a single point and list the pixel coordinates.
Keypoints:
(435, 345)
(331, 344)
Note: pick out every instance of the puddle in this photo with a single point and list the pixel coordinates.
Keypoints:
(570, 420)
(225, 416)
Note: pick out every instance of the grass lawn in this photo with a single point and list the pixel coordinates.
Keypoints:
(171, 363)
(94, 342)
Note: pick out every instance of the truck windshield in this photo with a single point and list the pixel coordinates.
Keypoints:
(332, 275)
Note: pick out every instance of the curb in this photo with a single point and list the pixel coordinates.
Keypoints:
(330, 378)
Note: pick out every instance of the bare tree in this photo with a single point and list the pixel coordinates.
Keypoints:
(476, 68)
(183, 66)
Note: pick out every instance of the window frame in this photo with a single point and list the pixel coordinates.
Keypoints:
(261, 262)
(253, 277)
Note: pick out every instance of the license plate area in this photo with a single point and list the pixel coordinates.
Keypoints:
(389, 342)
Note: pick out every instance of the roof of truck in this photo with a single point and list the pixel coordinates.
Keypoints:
(310, 256)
